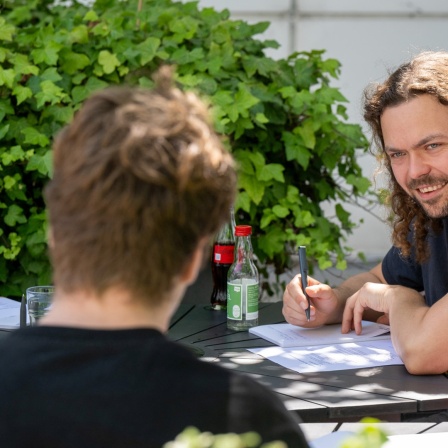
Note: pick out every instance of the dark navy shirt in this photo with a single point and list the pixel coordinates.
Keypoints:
(430, 277)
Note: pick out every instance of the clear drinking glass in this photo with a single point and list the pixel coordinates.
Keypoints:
(38, 299)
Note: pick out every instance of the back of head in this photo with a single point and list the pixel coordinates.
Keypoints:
(427, 73)
(139, 178)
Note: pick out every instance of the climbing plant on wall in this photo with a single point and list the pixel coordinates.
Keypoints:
(284, 121)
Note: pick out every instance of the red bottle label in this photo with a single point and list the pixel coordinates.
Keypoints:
(223, 254)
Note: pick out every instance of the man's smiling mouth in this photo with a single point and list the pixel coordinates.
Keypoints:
(430, 188)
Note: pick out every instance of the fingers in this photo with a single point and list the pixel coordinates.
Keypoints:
(311, 281)
(320, 290)
(358, 311)
(370, 296)
(295, 317)
(347, 318)
(294, 295)
(295, 302)
(352, 316)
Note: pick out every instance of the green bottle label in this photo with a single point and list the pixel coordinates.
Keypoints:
(242, 299)
(234, 301)
(252, 294)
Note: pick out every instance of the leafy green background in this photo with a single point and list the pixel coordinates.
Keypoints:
(286, 125)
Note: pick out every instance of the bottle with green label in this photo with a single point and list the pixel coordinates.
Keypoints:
(242, 284)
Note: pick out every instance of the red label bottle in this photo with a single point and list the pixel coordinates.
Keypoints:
(222, 259)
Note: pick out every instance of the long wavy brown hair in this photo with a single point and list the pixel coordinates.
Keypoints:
(427, 73)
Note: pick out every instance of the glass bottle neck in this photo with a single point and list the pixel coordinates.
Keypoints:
(243, 249)
(232, 220)
(226, 233)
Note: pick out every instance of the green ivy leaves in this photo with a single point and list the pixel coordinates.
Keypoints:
(6, 30)
(284, 122)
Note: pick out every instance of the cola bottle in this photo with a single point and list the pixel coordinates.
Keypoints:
(222, 259)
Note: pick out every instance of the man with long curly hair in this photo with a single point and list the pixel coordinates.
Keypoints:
(408, 115)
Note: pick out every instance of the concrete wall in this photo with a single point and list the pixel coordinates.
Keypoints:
(368, 38)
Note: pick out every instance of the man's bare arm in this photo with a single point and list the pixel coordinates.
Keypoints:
(419, 333)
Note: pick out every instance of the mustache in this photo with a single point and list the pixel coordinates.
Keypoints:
(426, 181)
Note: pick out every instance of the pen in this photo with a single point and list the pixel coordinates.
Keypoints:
(304, 277)
(23, 312)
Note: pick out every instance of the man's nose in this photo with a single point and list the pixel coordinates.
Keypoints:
(418, 166)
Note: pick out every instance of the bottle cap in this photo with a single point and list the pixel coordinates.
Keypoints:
(243, 230)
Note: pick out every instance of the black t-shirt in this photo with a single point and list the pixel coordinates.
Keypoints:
(67, 388)
(430, 277)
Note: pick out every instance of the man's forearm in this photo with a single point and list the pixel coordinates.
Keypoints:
(418, 333)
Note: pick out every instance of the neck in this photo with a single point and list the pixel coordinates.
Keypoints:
(115, 309)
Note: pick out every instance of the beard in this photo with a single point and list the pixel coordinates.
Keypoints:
(433, 208)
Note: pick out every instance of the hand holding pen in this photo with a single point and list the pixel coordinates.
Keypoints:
(327, 307)
(304, 278)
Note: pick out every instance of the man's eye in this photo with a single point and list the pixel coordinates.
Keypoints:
(396, 155)
(433, 146)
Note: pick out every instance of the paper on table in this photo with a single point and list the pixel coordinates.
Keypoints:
(287, 335)
(434, 440)
(331, 440)
(9, 314)
(352, 355)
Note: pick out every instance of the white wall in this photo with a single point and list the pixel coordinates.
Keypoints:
(368, 38)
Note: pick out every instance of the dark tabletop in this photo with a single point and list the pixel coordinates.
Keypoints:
(388, 392)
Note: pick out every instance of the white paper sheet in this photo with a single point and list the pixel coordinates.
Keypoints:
(331, 440)
(9, 314)
(287, 335)
(332, 357)
(433, 440)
